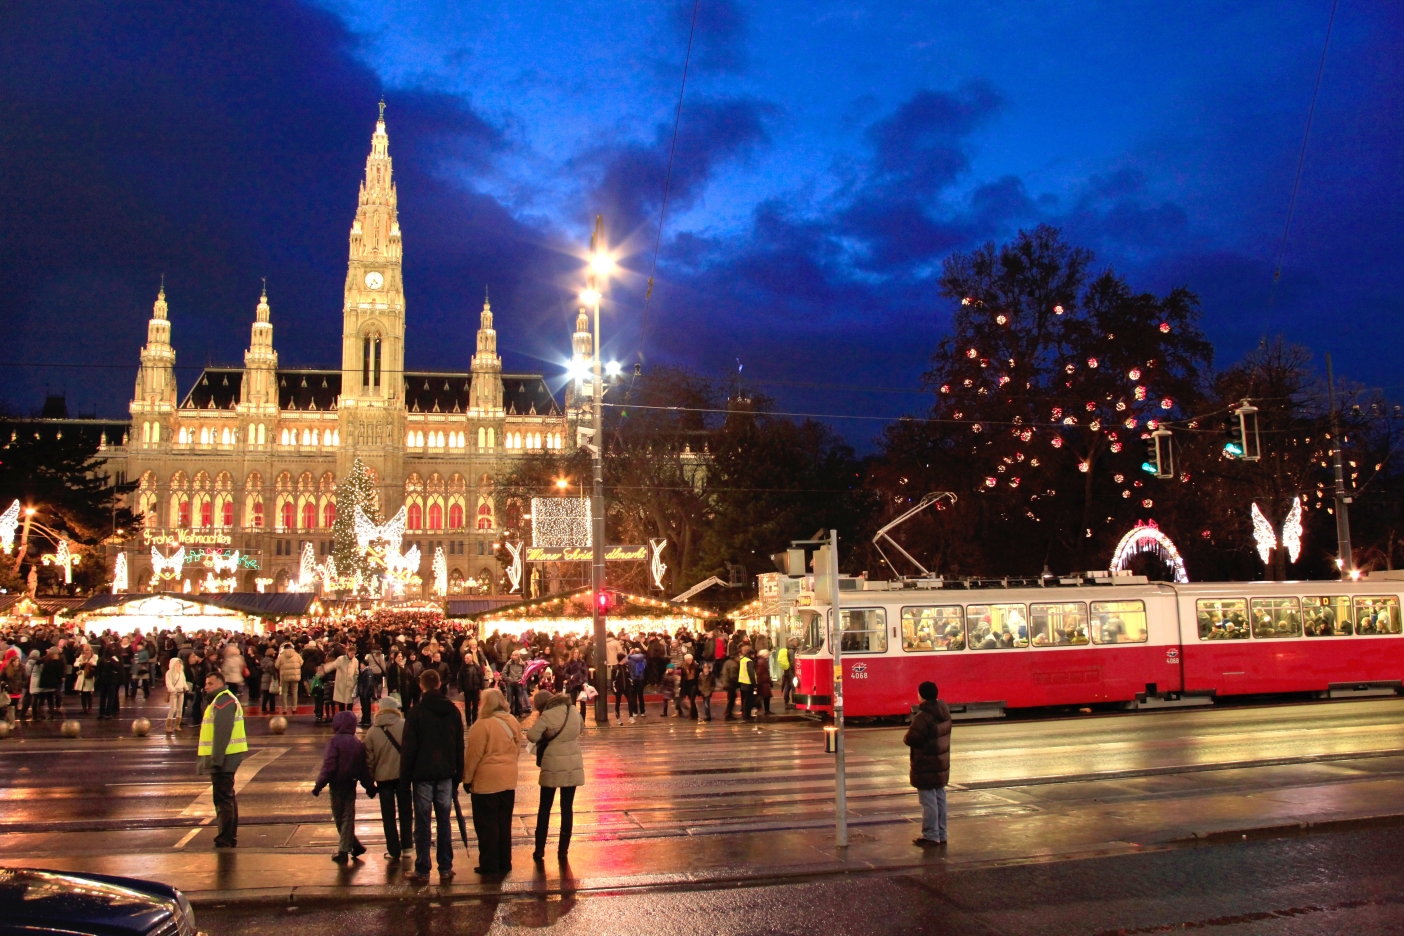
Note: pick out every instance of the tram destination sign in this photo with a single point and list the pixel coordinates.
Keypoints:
(585, 554)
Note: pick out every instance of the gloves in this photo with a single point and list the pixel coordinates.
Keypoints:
(467, 788)
(371, 791)
(316, 791)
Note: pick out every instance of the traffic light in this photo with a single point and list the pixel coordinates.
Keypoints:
(604, 601)
(1233, 433)
(1241, 431)
(1160, 459)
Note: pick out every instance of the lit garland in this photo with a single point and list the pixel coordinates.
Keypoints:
(560, 521)
(63, 556)
(656, 565)
(514, 571)
(9, 522)
(1148, 538)
(119, 574)
(440, 572)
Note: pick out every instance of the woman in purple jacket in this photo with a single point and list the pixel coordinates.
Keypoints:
(343, 766)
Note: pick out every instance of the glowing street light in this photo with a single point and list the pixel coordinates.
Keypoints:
(613, 369)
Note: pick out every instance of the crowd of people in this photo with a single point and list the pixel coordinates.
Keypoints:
(354, 663)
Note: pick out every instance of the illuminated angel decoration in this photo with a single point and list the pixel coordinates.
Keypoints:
(391, 532)
(9, 522)
(514, 571)
(225, 564)
(1266, 537)
(167, 568)
(656, 565)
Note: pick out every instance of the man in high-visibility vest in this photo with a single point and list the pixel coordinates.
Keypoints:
(222, 748)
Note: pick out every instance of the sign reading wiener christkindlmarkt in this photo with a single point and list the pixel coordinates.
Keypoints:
(584, 554)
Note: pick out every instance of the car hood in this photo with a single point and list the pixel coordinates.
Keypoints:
(89, 903)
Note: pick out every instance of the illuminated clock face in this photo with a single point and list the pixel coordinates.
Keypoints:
(374, 280)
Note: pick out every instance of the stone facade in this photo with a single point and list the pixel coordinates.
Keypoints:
(249, 458)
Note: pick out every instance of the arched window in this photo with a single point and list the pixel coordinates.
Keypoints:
(260, 434)
(370, 360)
(306, 437)
(145, 433)
(329, 514)
(309, 516)
(183, 511)
(287, 517)
(254, 511)
(414, 517)
(206, 512)
(484, 515)
(455, 516)
(492, 438)
(316, 437)
(227, 513)
(436, 516)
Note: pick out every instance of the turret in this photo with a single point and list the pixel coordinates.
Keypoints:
(485, 397)
(259, 387)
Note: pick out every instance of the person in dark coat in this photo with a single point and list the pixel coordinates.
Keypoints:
(929, 738)
(471, 682)
(432, 759)
(343, 766)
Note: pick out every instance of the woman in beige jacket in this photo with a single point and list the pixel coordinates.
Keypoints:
(490, 776)
(556, 729)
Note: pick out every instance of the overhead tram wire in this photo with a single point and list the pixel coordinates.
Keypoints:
(667, 180)
(1297, 179)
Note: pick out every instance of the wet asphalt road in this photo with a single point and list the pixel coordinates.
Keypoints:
(1339, 883)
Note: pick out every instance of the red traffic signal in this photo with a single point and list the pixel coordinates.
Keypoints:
(604, 601)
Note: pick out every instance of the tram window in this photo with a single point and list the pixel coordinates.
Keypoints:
(933, 628)
(1058, 625)
(1377, 615)
(1222, 618)
(997, 627)
(1117, 622)
(1277, 617)
(1326, 617)
(812, 633)
(864, 630)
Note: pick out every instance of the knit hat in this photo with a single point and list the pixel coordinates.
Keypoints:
(389, 704)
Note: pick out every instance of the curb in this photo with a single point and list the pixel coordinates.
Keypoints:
(1290, 829)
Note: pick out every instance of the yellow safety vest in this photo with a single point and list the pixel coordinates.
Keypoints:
(783, 658)
(238, 742)
(743, 675)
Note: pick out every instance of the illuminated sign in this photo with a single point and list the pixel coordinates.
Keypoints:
(186, 538)
(585, 553)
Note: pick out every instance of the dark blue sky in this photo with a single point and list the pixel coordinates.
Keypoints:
(831, 155)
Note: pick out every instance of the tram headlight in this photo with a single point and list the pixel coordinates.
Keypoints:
(796, 682)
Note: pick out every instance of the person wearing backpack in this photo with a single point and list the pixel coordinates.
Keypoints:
(638, 668)
(383, 744)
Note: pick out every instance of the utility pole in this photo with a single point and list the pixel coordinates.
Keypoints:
(597, 508)
(840, 767)
(1342, 499)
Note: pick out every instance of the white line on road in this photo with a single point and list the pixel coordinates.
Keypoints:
(203, 804)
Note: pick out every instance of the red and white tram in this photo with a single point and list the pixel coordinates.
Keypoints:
(1015, 647)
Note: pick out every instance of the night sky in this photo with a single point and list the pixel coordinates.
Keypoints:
(831, 154)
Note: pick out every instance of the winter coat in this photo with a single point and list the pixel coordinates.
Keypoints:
(51, 673)
(763, 681)
(470, 678)
(494, 743)
(13, 677)
(233, 669)
(706, 683)
(344, 764)
(85, 667)
(563, 762)
(730, 674)
(175, 677)
(346, 669)
(575, 674)
(637, 665)
(433, 740)
(269, 678)
(929, 737)
(382, 756)
(289, 663)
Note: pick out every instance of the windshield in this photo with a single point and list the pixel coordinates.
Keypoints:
(812, 633)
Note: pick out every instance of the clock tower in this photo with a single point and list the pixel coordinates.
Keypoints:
(372, 403)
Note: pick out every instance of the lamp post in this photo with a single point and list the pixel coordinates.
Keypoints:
(600, 265)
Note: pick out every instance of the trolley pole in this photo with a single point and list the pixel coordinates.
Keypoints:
(1342, 499)
(836, 632)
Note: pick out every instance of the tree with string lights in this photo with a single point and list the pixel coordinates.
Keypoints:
(357, 489)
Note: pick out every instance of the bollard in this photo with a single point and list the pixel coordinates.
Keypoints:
(277, 724)
(4, 729)
(71, 728)
(141, 727)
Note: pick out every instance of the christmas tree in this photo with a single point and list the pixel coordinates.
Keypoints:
(356, 490)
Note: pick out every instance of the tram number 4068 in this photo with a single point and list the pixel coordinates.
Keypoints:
(1172, 654)
(859, 671)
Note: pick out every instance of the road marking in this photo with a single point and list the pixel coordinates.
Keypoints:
(187, 837)
(203, 805)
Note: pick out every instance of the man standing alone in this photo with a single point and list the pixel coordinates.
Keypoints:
(222, 748)
(432, 758)
(929, 738)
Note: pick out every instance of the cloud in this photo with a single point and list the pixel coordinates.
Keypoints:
(718, 46)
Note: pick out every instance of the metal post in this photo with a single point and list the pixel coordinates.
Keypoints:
(840, 767)
(1342, 500)
(597, 508)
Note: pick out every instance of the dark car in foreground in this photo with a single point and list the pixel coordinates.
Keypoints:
(33, 902)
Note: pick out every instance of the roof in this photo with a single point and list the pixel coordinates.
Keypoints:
(47, 605)
(425, 391)
(467, 607)
(282, 604)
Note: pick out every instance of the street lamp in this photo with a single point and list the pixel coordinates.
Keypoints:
(601, 263)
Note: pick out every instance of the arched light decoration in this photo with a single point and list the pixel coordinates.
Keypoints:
(656, 566)
(1265, 537)
(9, 522)
(1147, 538)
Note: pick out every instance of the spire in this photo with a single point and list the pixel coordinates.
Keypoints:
(155, 383)
(261, 313)
(485, 394)
(375, 234)
(260, 360)
(158, 311)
